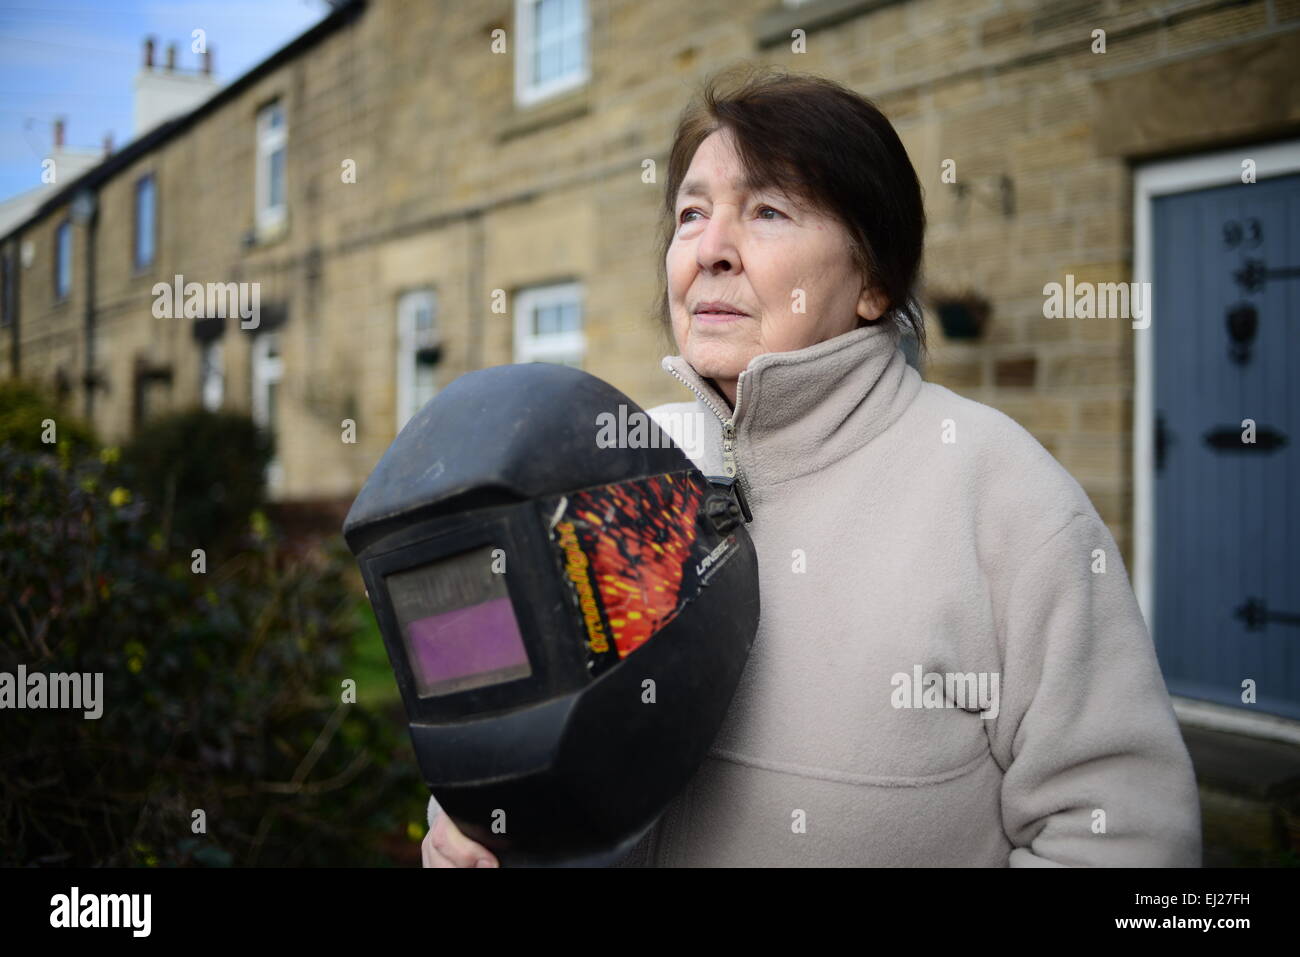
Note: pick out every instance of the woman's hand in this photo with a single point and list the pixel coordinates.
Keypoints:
(446, 846)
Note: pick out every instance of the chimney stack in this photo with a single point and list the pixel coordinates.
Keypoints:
(164, 89)
(108, 145)
(58, 133)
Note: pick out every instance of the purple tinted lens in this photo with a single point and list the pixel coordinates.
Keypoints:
(481, 640)
(458, 627)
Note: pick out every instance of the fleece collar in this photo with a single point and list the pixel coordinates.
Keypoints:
(799, 412)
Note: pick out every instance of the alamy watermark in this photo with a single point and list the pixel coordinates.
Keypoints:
(640, 430)
(193, 300)
(1098, 300)
(75, 909)
(77, 691)
(970, 691)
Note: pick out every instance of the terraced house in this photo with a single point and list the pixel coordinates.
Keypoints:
(417, 189)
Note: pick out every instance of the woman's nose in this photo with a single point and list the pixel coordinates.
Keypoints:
(716, 250)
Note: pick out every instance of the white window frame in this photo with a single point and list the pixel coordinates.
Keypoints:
(269, 140)
(549, 347)
(526, 91)
(212, 374)
(268, 370)
(409, 342)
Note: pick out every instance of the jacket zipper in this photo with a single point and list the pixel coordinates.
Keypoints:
(729, 463)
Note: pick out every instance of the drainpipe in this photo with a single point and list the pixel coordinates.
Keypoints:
(479, 317)
(85, 211)
(13, 268)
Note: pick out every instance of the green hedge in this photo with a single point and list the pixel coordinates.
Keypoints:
(202, 474)
(26, 412)
(221, 692)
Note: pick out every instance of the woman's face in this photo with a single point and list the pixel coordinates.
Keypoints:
(789, 268)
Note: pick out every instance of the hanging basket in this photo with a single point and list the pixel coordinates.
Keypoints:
(962, 315)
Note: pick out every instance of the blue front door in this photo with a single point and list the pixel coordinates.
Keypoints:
(1227, 348)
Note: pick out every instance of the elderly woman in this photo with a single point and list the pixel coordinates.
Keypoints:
(951, 668)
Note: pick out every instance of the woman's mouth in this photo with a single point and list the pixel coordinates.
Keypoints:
(718, 310)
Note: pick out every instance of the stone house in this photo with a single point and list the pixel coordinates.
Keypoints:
(418, 189)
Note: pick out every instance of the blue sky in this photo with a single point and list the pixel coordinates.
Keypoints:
(79, 59)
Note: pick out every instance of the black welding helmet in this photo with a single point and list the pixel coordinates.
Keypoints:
(567, 602)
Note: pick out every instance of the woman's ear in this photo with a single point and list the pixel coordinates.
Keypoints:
(871, 305)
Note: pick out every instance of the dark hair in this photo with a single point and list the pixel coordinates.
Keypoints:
(816, 140)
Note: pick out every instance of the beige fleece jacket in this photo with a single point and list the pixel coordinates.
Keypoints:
(917, 548)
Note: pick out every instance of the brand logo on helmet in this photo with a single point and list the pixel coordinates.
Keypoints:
(724, 550)
(575, 565)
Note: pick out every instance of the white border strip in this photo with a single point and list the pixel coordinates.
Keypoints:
(1218, 717)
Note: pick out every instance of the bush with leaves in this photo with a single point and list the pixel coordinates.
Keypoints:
(222, 692)
(27, 414)
(202, 472)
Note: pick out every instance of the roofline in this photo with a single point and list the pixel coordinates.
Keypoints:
(96, 176)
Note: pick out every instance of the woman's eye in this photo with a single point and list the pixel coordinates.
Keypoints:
(686, 212)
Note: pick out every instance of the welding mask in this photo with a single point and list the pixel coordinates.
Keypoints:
(567, 603)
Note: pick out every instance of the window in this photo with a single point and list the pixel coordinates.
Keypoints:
(548, 325)
(8, 268)
(150, 381)
(98, 353)
(144, 221)
(419, 348)
(63, 260)
(268, 370)
(551, 55)
(272, 137)
(212, 375)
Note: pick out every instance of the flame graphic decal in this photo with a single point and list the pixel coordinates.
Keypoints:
(639, 538)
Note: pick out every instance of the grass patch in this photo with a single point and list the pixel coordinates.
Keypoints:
(369, 665)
